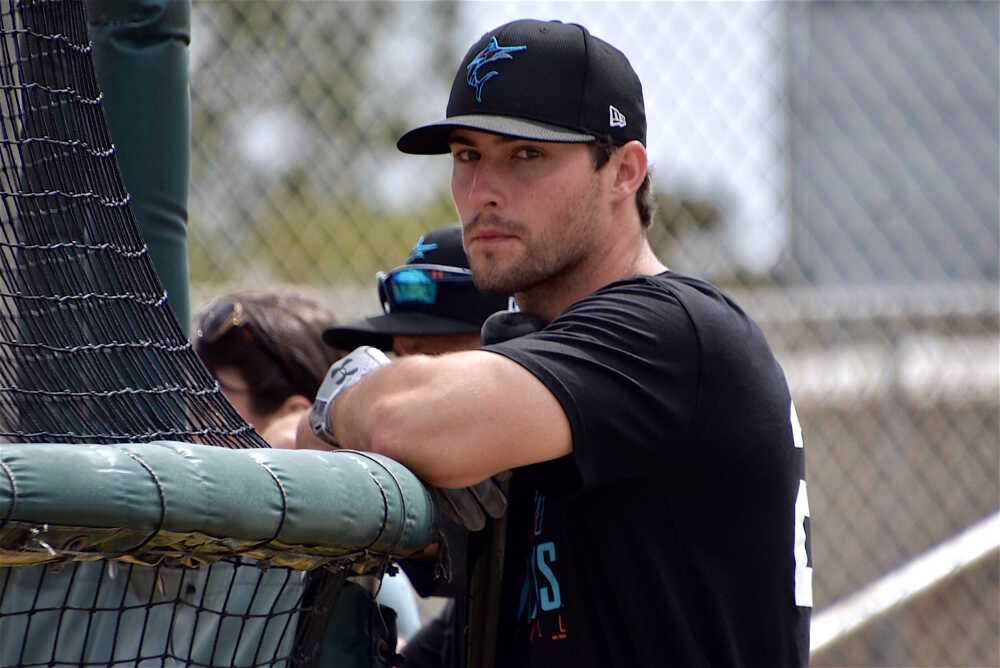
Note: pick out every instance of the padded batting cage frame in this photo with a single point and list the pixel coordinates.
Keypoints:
(126, 536)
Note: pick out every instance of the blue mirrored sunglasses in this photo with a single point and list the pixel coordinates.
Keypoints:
(417, 287)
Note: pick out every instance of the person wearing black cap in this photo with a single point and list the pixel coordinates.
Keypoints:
(657, 512)
(430, 304)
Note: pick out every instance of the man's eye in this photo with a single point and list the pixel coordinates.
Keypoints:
(465, 155)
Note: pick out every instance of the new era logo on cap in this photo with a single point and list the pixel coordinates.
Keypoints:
(616, 118)
(541, 80)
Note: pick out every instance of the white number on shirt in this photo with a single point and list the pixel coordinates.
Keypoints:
(803, 571)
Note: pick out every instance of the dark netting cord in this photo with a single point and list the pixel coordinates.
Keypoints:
(108, 613)
(89, 349)
(90, 352)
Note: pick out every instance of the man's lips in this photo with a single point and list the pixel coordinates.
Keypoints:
(491, 236)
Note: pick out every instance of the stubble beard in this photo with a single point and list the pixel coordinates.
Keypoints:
(521, 274)
(549, 253)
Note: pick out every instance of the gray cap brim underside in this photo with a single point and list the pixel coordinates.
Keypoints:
(432, 139)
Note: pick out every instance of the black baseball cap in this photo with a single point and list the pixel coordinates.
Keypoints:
(542, 80)
(453, 305)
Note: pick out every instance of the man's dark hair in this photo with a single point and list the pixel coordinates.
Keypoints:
(277, 347)
(601, 151)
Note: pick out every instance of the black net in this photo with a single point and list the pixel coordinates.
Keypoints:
(108, 613)
(90, 352)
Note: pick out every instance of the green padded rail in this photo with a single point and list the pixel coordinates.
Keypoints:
(191, 503)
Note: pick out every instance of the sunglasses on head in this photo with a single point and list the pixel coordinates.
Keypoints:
(419, 287)
(223, 316)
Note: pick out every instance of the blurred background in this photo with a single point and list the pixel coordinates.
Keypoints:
(834, 166)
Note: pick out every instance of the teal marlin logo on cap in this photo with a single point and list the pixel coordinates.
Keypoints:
(492, 53)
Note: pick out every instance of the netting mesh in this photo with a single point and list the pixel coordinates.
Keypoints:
(88, 348)
(105, 614)
(89, 352)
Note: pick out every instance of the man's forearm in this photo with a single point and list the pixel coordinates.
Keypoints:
(454, 419)
(362, 418)
(388, 414)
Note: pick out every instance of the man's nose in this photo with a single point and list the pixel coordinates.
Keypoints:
(484, 188)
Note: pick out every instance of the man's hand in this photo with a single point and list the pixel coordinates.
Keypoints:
(470, 506)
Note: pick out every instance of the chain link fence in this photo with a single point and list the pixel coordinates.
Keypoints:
(833, 165)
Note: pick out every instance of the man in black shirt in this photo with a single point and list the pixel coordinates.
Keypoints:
(658, 511)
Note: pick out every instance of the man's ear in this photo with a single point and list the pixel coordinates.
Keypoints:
(294, 404)
(630, 164)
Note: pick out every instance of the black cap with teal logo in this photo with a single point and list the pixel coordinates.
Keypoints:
(542, 80)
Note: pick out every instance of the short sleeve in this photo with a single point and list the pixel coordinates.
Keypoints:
(624, 364)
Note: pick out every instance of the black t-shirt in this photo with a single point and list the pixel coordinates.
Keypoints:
(675, 534)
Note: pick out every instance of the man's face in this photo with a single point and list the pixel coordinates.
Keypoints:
(529, 209)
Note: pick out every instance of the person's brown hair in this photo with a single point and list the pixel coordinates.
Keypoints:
(275, 343)
(601, 151)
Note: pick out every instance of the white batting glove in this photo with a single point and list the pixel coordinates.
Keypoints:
(345, 372)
